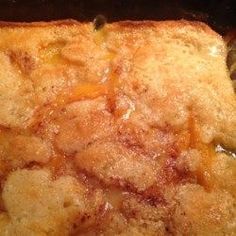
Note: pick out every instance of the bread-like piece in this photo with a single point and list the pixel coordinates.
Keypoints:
(114, 131)
(39, 206)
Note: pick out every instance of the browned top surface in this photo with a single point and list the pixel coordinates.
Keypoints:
(114, 131)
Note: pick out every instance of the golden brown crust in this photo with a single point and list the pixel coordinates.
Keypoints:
(167, 23)
(114, 131)
(129, 24)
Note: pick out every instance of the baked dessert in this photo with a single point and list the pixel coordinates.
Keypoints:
(125, 130)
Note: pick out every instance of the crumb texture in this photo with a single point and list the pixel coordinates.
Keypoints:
(114, 131)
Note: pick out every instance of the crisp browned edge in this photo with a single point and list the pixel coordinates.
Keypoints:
(201, 26)
(127, 24)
